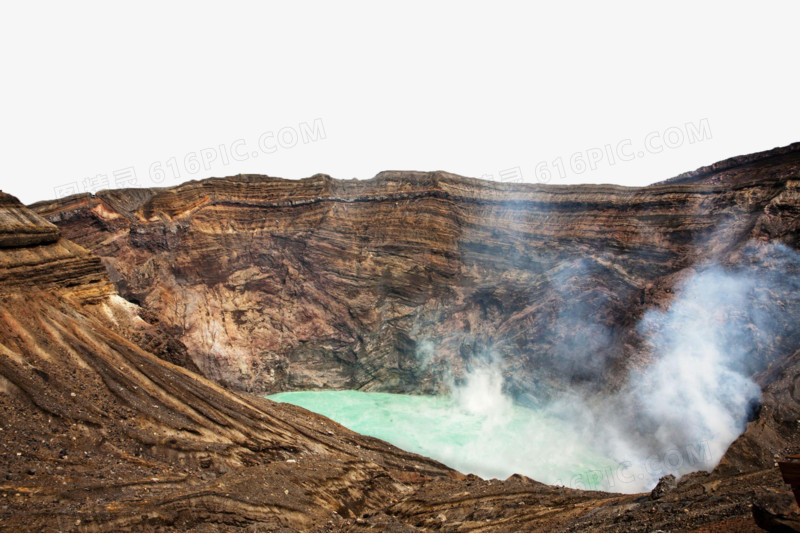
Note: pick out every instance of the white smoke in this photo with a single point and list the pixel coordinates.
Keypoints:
(482, 394)
(489, 435)
(680, 412)
(696, 390)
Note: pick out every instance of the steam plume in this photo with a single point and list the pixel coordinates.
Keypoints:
(680, 412)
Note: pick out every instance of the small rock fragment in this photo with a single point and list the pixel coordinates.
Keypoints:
(665, 484)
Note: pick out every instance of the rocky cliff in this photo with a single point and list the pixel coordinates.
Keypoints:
(397, 282)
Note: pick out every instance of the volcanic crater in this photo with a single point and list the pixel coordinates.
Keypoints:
(142, 329)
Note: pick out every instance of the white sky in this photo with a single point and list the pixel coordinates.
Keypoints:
(93, 89)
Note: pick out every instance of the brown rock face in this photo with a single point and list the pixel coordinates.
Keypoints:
(390, 283)
(21, 227)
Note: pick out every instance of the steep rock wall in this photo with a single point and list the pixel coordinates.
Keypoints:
(397, 282)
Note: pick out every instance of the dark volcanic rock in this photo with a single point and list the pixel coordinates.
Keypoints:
(665, 485)
(776, 511)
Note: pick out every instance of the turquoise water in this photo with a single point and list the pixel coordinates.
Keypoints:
(488, 435)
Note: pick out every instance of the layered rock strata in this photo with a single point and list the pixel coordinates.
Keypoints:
(396, 283)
